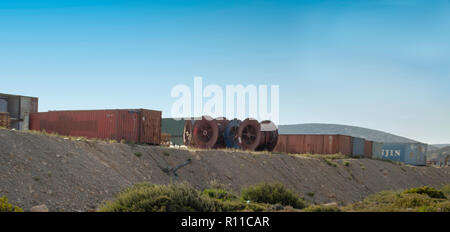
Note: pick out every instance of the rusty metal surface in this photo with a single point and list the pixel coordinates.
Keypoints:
(150, 128)
(368, 147)
(314, 144)
(141, 126)
(255, 136)
(269, 137)
(222, 124)
(187, 133)
(5, 120)
(249, 134)
(205, 132)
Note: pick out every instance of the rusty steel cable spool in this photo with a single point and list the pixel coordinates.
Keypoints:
(269, 138)
(205, 133)
(249, 134)
(255, 136)
(222, 123)
(231, 134)
(187, 133)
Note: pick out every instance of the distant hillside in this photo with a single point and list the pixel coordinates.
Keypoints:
(439, 154)
(439, 146)
(319, 128)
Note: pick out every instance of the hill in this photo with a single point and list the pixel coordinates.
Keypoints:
(69, 174)
(320, 128)
(439, 154)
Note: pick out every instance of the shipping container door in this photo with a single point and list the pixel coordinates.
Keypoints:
(128, 125)
(377, 149)
(345, 145)
(358, 147)
(415, 154)
(150, 127)
(368, 149)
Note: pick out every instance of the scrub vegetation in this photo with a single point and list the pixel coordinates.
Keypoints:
(6, 207)
(424, 199)
(182, 197)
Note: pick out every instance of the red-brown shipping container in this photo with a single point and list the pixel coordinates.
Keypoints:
(139, 125)
(368, 145)
(314, 144)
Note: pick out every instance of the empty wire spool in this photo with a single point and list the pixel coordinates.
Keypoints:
(249, 134)
(231, 134)
(205, 133)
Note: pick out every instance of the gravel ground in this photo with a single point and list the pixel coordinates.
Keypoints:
(68, 175)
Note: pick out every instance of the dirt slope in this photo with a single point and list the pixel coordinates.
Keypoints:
(79, 175)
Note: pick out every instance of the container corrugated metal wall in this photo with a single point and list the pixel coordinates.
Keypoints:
(314, 144)
(3, 105)
(377, 150)
(409, 153)
(416, 154)
(174, 128)
(142, 126)
(358, 147)
(368, 147)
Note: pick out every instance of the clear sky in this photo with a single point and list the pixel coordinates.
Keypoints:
(378, 64)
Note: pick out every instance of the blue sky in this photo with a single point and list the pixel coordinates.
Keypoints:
(379, 64)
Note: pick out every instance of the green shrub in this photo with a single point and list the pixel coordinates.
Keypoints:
(389, 201)
(220, 194)
(5, 206)
(162, 198)
(446, 190)
(431, 192)
(273, 194)
(322, 209)
(443, 207)
(330, 162)
(138, 154)
(180, 197)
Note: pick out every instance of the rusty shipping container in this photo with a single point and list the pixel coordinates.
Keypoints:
(314, 144)
(135, 125)
(368, 149)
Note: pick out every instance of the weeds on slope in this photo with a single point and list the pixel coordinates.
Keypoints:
(424, 199)
(182, 197)
(5, 206)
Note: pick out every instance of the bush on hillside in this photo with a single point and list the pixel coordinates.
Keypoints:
(220, 194)
(446, 190)
(5, 206)
(322, 209)
(273, 194)
(431, 192)
(406, 201)
(162, 198)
